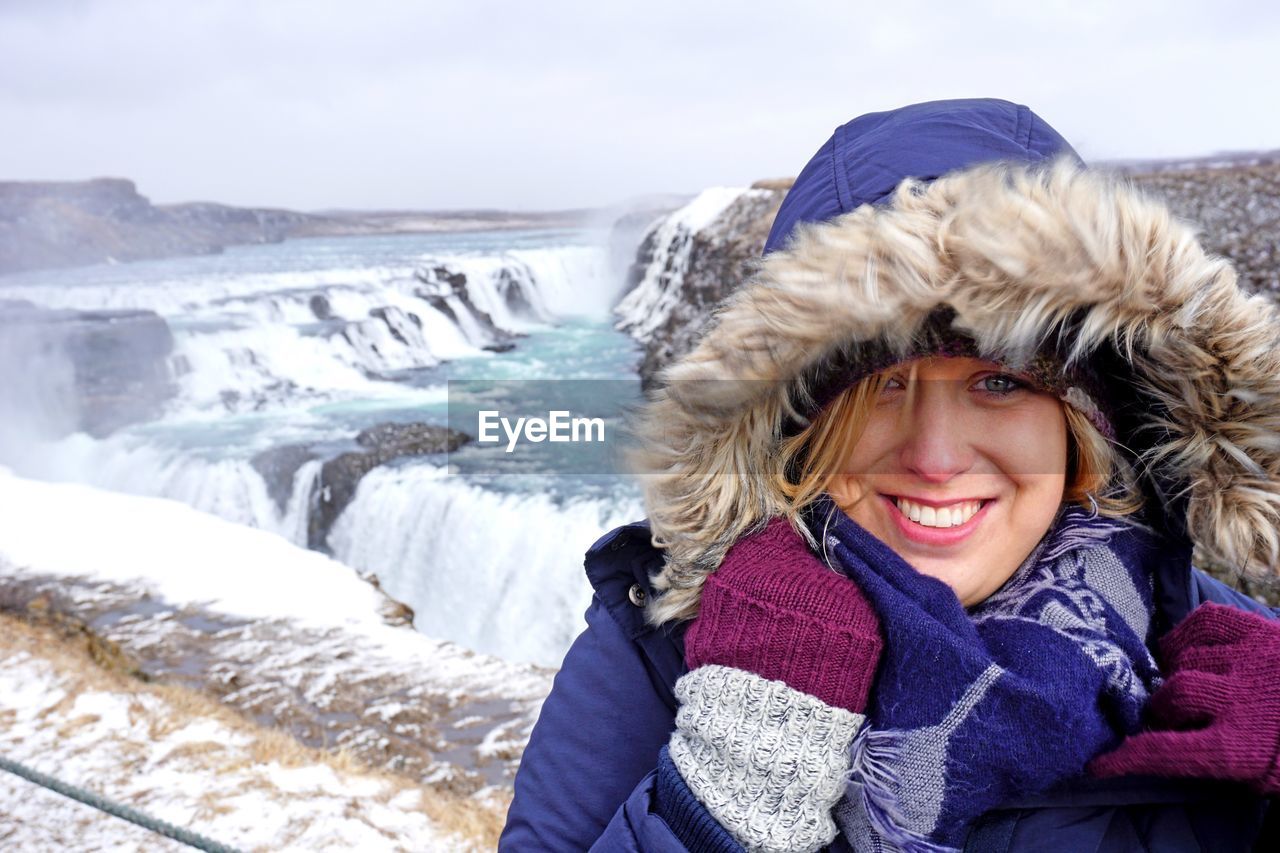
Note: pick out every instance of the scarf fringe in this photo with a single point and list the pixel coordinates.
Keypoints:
(874, 753)
(1081, 532)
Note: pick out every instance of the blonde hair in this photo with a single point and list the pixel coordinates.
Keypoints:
(1097, 474)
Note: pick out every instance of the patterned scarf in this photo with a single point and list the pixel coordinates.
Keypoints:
(973, 709)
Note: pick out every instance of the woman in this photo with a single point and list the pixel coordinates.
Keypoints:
(995, 350)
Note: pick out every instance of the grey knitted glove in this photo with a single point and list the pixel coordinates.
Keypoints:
(767, 761)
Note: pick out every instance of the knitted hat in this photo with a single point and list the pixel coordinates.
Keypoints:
(1076, 384)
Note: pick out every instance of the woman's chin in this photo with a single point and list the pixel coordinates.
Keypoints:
(952, 574)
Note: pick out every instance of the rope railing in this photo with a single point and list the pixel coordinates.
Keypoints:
(177, 833)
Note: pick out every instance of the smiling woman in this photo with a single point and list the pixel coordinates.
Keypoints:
(921, 506)
(957, 467)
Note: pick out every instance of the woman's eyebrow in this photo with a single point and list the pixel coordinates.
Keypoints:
(1006, 370)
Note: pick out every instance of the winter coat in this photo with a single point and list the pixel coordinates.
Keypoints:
(587, 777)
(1021, 256)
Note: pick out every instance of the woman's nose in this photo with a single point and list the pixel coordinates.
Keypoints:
(935, 441)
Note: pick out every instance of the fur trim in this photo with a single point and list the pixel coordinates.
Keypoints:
(1021, 253)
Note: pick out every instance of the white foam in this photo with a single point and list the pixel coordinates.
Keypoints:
(249, 340)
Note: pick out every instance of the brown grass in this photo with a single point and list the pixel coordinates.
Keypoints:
(42, 611)
(200, 752)
(467, 818)
(70, 727)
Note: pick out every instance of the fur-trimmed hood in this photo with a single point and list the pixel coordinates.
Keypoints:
(1022, 254)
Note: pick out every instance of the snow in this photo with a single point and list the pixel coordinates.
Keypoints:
(107, 742)
(185, 555)
(285, 636)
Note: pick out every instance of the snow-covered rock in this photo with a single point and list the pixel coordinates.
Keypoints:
(692, 259)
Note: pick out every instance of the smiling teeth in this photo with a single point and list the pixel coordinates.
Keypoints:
(947, 516)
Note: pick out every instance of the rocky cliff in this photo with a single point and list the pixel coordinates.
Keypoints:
(1238, 212)
(57, 224)
(73, 223)
(689, 261)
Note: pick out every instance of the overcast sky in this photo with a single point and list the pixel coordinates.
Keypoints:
(426, 105)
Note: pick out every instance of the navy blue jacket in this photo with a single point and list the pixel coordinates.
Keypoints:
(587, 779)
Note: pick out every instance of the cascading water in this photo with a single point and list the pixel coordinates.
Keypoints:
(303, 344)
(458, 543)
(650, 303)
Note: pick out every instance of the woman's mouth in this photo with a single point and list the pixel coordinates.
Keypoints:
(934, 524)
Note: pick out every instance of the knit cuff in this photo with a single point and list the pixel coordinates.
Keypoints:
(767, 761)
(692, 824)
(831, 658)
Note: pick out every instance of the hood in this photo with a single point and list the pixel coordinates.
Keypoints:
(864, 161)
(1021, 253)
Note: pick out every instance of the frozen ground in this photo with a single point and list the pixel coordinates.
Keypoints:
(293, 643)
(183, 759)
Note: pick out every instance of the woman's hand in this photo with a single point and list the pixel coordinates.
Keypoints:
(1218, 713)
(781, 659)
(774, 609)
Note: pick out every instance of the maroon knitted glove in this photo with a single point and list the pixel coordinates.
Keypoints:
(774, 609)
(1218, 714)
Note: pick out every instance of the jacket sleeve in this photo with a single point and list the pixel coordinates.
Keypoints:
(663, 816)
(591, 756)
(1208, 588)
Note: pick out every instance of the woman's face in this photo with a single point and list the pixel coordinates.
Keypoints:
(964, 482)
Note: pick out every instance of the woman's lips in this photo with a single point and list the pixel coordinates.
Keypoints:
(934, 535)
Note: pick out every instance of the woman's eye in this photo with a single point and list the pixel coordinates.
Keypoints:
(999, 383)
